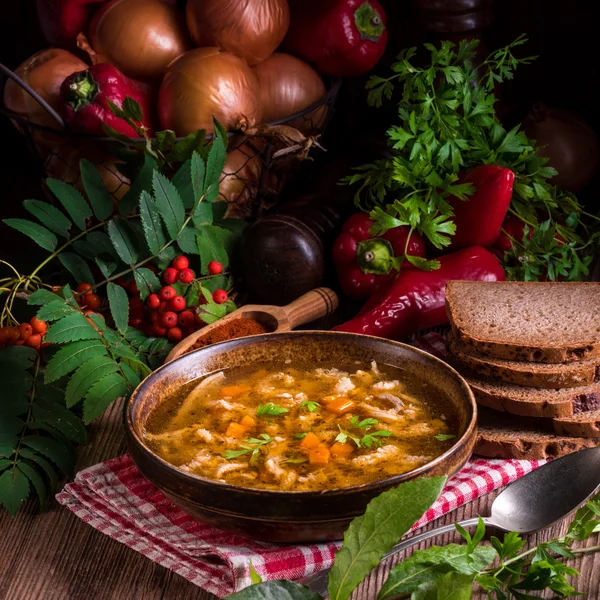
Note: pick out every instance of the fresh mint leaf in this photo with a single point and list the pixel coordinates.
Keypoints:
(275, 590)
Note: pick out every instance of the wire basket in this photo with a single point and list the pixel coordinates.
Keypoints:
(253, 177)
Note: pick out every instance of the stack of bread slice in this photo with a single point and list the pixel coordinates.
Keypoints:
(531, 354)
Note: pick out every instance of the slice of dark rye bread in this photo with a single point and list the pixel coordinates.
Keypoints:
(547, 376)
(538, 322)
(585, 424)
(505, 436)
(534, 402)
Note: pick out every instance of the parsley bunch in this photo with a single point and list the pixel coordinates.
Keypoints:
(448, 124)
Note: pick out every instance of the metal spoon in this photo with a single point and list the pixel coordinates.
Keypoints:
(529, 504)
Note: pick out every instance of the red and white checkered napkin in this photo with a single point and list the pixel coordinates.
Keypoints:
(116, 499)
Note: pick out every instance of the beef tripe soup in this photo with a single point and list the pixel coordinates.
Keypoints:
(292, 427)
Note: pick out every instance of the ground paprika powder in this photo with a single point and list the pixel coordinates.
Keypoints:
(235, 328)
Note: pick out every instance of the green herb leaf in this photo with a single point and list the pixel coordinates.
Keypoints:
(40, 235)
(101, 395)
(210, 247)
(374, 438)
(43, 296)
(60, 419)
(198, 172)
(151, 222)
(184, 149)
(96, 191)
(35, 479)
(169, 204)
(214, 167)
(387, 518)
(270, 410)
(442, 437)
(142, 182)
(146, 281)
(254, 576)
(46, 467)
(14, 490)
(74, 203)
(55, 310)
(301, 436)
(187, 241)
(108, 267)
(70, 329)
(423, 263)
(364, 423)
(86, 376)
(343, 435)
(58, 453)
(69, 357)
(275, 590)
(123, 239)
(49, 215)
(182, 180)
(77, 267)
(310, 406)
(451, 586)
(119, 305)
(132, 110)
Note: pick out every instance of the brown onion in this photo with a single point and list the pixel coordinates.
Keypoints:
(569, 143)
(251, 29)
(287, 86)
(204, 83)
(44, 72)
(139, 37)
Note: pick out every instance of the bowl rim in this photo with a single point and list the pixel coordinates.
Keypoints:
(393, 481)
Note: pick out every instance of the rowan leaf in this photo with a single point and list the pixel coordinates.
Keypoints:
(14, 490)
(10, 424)
(182, 180)
(119, 305)
(86, 376)
(214, 168)
(43, 296)
(101, 395)
(151, 223)
(169, 203)
(74, 203)
(59, 454)
(49, 469)
(198, 172)
(40, 235)
(186, 240)
(210, 247)
(77, 267)
(35, 478)
(142, 182)
(108, 267)
(8, 443)
(70, 329)
(185, 148)
(71, 356)
(49, 215)
(146, 281)
(133, 378)
(17, 357)
(60, 419)
(55, 310)
(96, 191)
(123, 240)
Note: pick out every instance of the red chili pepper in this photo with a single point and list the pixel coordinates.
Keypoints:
(362, 260)
(85, 98)
(479, 218)
(415, 300)
(62, 20)
(343, 38)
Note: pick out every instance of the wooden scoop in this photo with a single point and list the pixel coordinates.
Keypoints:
(313, 305)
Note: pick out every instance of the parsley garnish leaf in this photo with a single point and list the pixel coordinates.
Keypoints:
(271, 410)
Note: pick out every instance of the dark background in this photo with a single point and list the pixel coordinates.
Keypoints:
(563, 33)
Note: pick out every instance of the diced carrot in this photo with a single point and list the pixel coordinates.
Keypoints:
(310, 441)
(235, 430)
(340, 405)
(340, 450)
(328, 399)
(319, 455)
(235, 390)
(248, 421)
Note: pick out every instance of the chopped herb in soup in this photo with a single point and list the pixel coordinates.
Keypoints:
(287, 428)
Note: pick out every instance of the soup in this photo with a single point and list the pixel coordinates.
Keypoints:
(286, 427)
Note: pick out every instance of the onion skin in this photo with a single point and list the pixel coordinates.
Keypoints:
(251, 29)
(139, 37)
(289, 85)
(44, 72)
(204, 83)
(569, 143)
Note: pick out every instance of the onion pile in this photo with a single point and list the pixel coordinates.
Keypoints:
(204, 83)
(139, 37)
(569, 143)
(287, 86)
(251, 29)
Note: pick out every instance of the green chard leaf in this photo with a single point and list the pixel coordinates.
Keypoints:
(40, 235)
(119, 305)
(387, 518)
(49, 216)
(14, 490)
(275, 590)
(71, 328)
(77, 267)
(123, 239)
(96, 191)
(169, 204)
(151, 222)
(74, 203)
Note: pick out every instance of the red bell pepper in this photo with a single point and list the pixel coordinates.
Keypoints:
(479, 218)
(85, 96)
(343, 38)
(62, 20)
(416, 299)
(513, 228)
(362, 260)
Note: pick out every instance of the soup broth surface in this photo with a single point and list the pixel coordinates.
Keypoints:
(285, 427)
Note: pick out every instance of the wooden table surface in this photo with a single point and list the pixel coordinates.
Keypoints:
(55, 555)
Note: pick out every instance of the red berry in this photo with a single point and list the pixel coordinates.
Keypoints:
(120, 281)
(215, 267)
(92, 301)
(155, 317)
(38, 326)
(132, 288)
(159, 331)
(220, 297)
(136, 305)
(186, 276)
(164, 307)
(25, 330)
(84, 288)
(177, 304)
(135, 322)
(169, 319)
(167, 293)
(180, 263)
(153, 301)
(186, 318)
(170, 276)
(174, 334)
(152, 268)
(33, 340)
